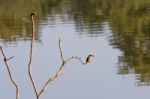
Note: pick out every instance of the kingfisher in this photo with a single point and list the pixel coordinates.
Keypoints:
(89, 59)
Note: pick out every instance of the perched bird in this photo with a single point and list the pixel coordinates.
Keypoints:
(89, 59)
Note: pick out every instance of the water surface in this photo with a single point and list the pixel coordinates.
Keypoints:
(116, 32)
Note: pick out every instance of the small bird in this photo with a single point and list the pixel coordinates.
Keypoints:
(89, 59)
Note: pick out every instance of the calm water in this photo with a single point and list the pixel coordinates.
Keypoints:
(116, 32)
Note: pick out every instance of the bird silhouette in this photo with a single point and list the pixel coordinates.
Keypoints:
(89, 59)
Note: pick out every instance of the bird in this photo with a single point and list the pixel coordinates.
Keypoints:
(89, 59)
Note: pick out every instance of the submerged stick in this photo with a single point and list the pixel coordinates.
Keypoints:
(10, 73)
(31, 55)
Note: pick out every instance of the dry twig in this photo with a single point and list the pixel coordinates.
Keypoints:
(10, 73)
(51, 79)
(59, 70)
(31, 55)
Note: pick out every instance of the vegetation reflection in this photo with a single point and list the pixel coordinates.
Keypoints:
(130, 26)
(129, 22)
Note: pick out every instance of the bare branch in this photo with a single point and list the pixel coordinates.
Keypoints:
(57, 73)
(10, 58)
(61, 52)
(31, 55)
(10, 74)
(59, 70)
(51, 80)
(78, 58)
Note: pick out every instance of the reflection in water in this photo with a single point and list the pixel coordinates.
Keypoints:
(131, 36)
(129, 22)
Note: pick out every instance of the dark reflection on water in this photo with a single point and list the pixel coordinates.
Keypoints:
(129, 22)
(131, 27)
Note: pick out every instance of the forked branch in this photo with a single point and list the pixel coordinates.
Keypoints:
(10, 73)
(51, 79)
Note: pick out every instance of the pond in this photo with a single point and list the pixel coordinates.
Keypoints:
(116, 32)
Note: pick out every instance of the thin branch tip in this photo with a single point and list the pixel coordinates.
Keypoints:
(10, 58)
(32, 14)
